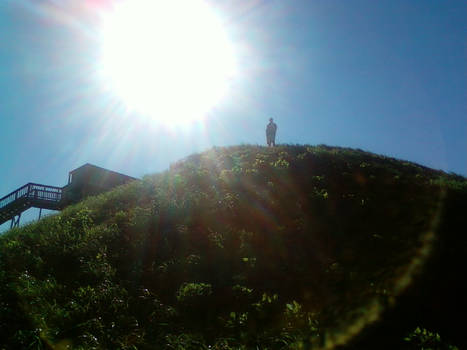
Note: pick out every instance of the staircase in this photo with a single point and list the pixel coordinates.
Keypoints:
(28, 196)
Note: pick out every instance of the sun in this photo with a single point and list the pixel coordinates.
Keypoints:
(169, 60)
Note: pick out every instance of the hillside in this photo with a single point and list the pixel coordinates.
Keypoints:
(247, 247)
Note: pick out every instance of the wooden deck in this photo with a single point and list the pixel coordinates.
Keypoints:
(28, 196)
(87, 180)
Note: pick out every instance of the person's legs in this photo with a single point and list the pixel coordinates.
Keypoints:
(272, 140)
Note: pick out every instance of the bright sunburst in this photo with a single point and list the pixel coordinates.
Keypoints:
(167, 59)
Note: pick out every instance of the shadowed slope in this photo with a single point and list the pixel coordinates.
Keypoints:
(293, 246)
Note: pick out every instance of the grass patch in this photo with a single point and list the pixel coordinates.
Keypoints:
(245, 247)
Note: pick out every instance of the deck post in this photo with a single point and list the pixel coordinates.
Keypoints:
(15, 222)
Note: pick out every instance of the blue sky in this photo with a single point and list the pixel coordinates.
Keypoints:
(385, 76)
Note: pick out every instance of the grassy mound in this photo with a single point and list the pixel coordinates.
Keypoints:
(246, 248)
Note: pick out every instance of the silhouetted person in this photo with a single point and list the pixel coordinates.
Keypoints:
(271, 129)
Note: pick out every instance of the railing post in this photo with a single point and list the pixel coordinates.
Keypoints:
(15, 223)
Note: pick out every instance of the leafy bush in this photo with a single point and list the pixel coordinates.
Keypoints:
(421, 338)
(243, 247)
(193, 291)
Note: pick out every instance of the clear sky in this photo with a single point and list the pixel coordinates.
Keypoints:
(385, 76)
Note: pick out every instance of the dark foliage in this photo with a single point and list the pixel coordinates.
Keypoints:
(247, 248)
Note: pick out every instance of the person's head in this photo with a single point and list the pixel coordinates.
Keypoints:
(270, 120)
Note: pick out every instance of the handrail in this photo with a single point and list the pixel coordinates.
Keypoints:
(42, 192)
(33, 191)
(11, 197)
(46, 186)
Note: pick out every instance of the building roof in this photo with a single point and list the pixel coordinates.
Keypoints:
(92, 166)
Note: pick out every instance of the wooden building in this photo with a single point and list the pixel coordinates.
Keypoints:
(88, 180)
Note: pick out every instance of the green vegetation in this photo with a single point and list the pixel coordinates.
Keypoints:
(292, 247)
